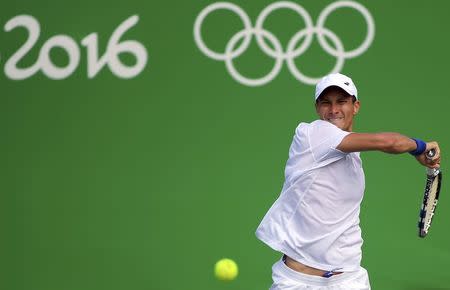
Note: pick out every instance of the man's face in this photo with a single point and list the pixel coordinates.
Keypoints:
(337, 107)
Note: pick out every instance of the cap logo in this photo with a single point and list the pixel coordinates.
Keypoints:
(347, 83)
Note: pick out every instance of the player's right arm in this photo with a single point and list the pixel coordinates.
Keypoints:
(393, 143)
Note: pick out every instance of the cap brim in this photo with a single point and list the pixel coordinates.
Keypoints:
(338, 86)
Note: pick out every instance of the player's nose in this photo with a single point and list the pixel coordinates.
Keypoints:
(334, 108)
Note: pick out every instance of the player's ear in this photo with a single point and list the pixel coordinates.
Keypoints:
(356, 106)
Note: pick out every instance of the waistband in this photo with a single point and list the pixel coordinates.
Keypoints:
(299, 267)
(284, 270)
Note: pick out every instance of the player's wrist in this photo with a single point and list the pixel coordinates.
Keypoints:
(421, 146)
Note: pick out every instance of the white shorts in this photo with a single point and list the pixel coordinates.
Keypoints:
(284, 278)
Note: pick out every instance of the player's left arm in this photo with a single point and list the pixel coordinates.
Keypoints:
(393, 143)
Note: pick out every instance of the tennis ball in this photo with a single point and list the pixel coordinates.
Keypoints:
(226, 270)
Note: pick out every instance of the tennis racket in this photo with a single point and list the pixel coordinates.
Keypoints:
(430, 197)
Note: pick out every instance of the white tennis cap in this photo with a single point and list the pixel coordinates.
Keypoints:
(339, 80)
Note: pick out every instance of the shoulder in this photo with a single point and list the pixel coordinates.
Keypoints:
(318, 126)
(314, 124)
(323, 124)
(322, 131)
(303, 128)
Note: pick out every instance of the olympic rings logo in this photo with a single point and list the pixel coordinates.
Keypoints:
(277, 52)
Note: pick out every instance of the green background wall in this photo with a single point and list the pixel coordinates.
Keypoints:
(144, 183)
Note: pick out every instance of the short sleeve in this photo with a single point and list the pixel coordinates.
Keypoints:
(324, 137)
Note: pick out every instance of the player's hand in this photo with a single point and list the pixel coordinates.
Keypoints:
(434, 162)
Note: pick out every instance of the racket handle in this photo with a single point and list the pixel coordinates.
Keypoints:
(431, 171)
(430, 154)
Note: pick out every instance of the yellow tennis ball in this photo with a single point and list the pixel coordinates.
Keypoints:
(226, 270)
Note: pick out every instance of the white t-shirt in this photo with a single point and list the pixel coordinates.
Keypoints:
(315, 220)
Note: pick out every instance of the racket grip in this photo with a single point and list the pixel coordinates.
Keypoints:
(430, 154)
(432, 171)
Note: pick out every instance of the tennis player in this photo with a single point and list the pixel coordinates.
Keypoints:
(315, 221)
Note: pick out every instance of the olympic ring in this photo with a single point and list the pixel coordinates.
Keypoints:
(276, 51)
